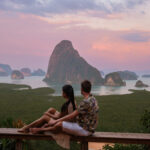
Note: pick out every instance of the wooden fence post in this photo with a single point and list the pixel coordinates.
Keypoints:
(19, 145)
(1, 146)
(84, 145)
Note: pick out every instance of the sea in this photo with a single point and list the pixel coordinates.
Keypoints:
(37, 82)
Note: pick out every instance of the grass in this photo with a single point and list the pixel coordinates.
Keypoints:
(122, 113)
(118, 113)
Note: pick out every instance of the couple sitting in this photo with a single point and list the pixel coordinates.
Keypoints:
(73, 120)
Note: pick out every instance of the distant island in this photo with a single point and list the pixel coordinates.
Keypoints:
(67, 66)
(140, 84)
(26, 72)
(38, 72)
(6, 70)
(17, 75)
(114, 79)
(146, 76)
(128, 75)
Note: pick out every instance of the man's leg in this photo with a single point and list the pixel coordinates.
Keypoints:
(73, 128)
(67, 127)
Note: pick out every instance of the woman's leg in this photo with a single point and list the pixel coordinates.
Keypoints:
(39, 122)
(56, 128)
(51, 110)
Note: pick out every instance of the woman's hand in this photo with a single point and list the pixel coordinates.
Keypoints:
(46, 113)
(52, 122)
(45, 125)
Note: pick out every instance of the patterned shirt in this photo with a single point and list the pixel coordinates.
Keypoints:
(88, 114)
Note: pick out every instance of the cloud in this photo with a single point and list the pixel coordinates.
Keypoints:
(43, 7)
(136, 37)
(113, 51)
(26, 37)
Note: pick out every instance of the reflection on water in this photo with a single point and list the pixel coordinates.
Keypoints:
(36, 82)
(97, 146)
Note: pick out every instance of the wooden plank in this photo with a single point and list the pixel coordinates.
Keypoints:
(110, 137)
(12, 133)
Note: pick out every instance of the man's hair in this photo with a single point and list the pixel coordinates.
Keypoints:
(86, 86)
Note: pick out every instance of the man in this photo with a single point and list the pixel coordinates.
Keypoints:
(86, 116)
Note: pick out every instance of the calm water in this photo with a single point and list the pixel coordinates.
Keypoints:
(36, 82)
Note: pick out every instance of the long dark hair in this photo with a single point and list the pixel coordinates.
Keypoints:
(68, 90)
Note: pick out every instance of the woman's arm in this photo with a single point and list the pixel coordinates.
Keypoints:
(54, 116)
(53, 113)
(65, 118)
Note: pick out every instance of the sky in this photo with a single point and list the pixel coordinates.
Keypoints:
(110, 34)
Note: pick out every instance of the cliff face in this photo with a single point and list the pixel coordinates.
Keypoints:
(66, 65)
(114, 79)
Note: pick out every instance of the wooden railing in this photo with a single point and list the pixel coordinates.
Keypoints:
(104, 137)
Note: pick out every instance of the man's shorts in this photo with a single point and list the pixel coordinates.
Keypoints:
(74, 129)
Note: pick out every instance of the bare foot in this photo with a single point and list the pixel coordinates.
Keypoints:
(35, 130)
(24, 130)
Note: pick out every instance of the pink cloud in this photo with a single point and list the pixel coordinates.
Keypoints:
(27, 40)
(121, 53)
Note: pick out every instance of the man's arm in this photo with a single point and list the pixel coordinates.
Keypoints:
(67, 117)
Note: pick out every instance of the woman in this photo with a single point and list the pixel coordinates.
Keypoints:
(68, 107)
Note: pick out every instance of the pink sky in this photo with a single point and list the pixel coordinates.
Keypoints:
(117, 41)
